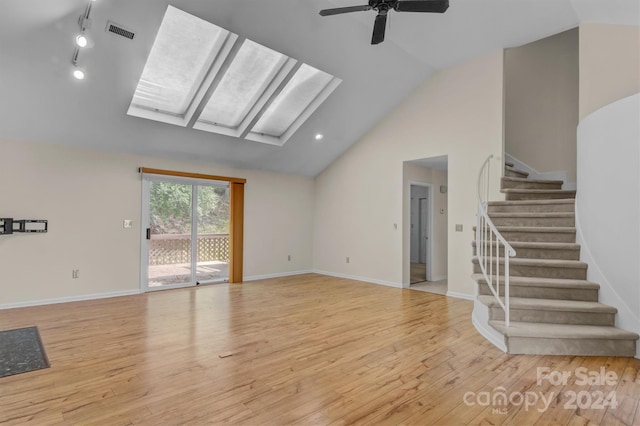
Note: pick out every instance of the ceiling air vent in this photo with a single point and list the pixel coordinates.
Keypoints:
(119, 30)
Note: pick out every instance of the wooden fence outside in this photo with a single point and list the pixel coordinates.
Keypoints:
(170, 249)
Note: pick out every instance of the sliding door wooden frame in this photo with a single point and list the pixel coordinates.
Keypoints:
(190, 175)
(237, 235)
(236, 220)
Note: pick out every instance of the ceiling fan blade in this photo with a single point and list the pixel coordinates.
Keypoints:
(379, 27)
(339, 10)
(434, 6)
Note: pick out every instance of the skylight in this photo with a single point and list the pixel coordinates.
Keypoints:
(253, 68)
(199, 75)
(297, 95)
(180, 58)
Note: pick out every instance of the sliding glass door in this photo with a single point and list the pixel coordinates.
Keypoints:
(185, 232)
(213, 233)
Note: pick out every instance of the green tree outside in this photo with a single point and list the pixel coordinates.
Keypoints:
(171, 209)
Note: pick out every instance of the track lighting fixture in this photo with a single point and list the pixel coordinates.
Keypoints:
(82, 40)
(78, 74)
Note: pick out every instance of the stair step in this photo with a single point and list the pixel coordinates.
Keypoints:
(538, 194)
(507, 163)
(533, 218)
(525, 183)
(543, 268)
(552, 311)
(531, 250)
(533, 234)
(565, 339)
(510, 171)
(544, 288)
(555, 234)
(532, 206)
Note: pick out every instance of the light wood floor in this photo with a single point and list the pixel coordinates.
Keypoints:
(306, 350)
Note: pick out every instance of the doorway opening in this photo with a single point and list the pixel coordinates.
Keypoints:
(420, 231)
(426, 233)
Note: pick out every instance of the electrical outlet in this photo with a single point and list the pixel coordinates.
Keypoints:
(75, 273)
(347, 259)
(127, 223)
(458, 227)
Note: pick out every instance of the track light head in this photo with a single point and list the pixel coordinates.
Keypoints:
(82, 40)
(78, 74)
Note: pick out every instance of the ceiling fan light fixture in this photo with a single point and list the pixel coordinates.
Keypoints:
(384, 6)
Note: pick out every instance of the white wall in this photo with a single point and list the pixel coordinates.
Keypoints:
(608, 205)
(541, 103)
(359, 198)
(439, 236)
(609, 64)
(86, 194)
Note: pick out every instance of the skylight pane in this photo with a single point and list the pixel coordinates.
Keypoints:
(253, 68)
(180, 57)
(296, 96)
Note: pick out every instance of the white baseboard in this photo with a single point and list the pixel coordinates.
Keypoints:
(480, 320)
(278, 275)
(440, 278)
(534, 174)
(457, 295)
(353, 277)
(70, 299)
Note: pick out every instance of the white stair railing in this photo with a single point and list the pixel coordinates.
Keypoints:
(490, 243)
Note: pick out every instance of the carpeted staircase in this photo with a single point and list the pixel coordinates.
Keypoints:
(554, 309)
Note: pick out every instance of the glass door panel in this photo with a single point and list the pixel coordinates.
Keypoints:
(213, 233)
(169, 234)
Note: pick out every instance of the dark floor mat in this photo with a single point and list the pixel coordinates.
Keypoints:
(21, 350)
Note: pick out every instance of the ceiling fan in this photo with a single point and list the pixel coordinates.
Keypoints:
(384, 6)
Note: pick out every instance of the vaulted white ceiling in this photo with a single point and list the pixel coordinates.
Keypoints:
(40, 101)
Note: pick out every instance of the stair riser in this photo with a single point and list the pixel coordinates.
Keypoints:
(593, 347)
(586, 295)
(510, 184)
(531, 208)
(539, 237)
(527, 253)
(534, 221)
(510, 196)
(554, 317)
(538, 253)
(540, 271)
(512, 173)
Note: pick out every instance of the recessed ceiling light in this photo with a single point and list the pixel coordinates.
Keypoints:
(78, 74)
(82, 40)
(319, 136)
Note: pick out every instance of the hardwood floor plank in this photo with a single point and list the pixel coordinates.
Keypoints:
(305, 350)
(627, 395)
